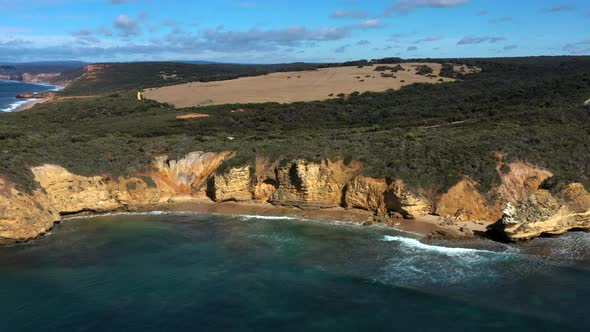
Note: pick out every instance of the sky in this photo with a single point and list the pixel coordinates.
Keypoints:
(279, 31)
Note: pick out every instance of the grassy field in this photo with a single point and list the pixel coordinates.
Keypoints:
(428, 134)
(289, 87)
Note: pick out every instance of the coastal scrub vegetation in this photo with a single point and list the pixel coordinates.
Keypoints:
(430, 135)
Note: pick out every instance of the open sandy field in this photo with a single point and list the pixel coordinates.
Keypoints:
(290, 87)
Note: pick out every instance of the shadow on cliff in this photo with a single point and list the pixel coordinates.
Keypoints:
(495, 232)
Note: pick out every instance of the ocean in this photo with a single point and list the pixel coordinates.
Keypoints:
(207, 272)
(9, 90)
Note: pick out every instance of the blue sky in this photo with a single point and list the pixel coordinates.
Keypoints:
(265, 31)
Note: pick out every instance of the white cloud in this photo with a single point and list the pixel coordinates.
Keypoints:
(405, 6)
(126, 26)
(468, 40)
(349, 14)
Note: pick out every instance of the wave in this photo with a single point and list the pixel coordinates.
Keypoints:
(255, 216)
(117, 214)
(415, 244)
(13, 106)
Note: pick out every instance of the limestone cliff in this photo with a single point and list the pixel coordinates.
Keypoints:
(235, 185)
(547, 213)
(367, 193)
(312, 185)
(409, 204)
(187, 176)
(23, 217)
(308, 185)
(381, 196)
(68, 193)
(520, 180)
(464, 202)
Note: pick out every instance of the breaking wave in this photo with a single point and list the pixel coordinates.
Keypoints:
(13, 106)
(415, 244)
(416, 264)
(255, 216)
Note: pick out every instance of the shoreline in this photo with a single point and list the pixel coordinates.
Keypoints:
(30, 104)
(428, 227)
(22, 105)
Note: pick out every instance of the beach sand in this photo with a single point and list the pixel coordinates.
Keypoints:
(425, 225)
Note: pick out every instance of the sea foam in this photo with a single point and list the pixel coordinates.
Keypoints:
(415, 244)
(255, 216)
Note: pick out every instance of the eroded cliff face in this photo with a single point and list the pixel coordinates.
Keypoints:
(187, 176)
(312, 185)
(409, 203)
(367, 193)
(235, 185)
(61, 193)
(520, 181)
(382, 197)
(308, 185)
(23, 217)
(68, 193)
(464, 202)
(544, 212)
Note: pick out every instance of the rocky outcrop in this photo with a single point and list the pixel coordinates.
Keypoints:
(234, 185)
(61, 193)
(546, 213)
(464, 202)
(519, 180)
(186, 176)
(68, 193)
(381, 196)
(23, 217)
(27, 95)
(367, 193)
(407, 203)
(312, 185)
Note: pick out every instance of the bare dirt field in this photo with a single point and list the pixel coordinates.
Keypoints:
(290, 87)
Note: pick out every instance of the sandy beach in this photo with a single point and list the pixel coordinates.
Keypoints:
(31, 104)
(425, 225)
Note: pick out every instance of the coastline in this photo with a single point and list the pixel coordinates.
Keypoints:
(30, 104)
(429, 227)
(21, 105)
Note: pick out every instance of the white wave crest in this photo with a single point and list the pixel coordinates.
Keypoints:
(255, 216)
(116, 214)
(15, 106)
(415, 244)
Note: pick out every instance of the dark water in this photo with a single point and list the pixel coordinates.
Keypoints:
(9, 90)
(200, 272)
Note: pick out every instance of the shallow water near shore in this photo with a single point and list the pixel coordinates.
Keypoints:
(198, 271)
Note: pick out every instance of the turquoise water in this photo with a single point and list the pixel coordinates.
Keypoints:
(203, 272)
(9, 90)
